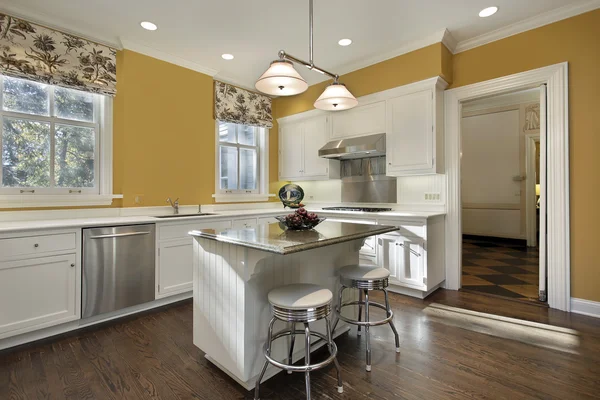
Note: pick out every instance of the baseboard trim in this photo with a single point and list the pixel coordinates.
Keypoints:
(585, 307)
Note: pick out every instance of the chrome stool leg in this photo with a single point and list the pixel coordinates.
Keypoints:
(360, 300)
(368, 337)
(292, 340)
(307, 359)
(388, 312)
(262, 373)
(335, 361)
(337, 311)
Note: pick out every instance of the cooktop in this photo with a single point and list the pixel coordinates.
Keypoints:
(363, 209)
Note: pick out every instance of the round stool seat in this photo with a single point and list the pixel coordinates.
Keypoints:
(364, 272)
(300, 296)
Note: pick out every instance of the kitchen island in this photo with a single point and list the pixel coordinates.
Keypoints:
(234, 269)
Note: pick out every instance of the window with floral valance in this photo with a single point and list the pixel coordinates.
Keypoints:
(240, 106)
(34, 52)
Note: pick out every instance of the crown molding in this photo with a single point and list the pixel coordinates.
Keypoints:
(170, 58)
(537, 21)
(47, 22)
(449, 41)
(503, 100)
(434, 38)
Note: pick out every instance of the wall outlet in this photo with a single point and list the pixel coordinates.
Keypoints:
(432, 196)
(138, 200)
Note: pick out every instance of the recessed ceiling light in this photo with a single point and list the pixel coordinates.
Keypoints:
(487, 12)
(149, 26)
(345, 42)
(227, 56)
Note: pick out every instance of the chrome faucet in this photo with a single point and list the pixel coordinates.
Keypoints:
(174, 204)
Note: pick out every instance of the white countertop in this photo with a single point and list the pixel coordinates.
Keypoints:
(16, 225)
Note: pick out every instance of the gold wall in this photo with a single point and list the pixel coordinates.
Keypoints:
(164, 133)
(574, 40)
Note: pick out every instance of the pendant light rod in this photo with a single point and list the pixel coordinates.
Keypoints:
(310, 32)
(310, 64)
(285, 56)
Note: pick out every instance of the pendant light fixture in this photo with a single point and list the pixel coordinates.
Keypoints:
(282, 79)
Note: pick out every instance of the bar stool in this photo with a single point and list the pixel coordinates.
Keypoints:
(365, 278)
(300, 303)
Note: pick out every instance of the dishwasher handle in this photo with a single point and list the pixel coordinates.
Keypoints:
(116, 235)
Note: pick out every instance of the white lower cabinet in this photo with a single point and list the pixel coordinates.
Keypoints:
(175, 255)
(37, 293)
(405, 258)
(176, 259)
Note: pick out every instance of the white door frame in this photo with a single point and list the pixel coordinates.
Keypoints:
(557, 195)
(531, 226)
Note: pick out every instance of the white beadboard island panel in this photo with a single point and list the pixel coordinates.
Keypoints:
(231, 311)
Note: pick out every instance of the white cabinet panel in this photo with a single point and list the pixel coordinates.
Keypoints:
(404, 258)
(411, 267)
(180, 231)
(35, 246)
(315, 137)
(410, 134)
(269, 220)
(290, 154)
(37, 293)
(175, 268)
(359, 121)
(299, 144)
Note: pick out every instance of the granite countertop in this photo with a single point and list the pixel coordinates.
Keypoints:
(274, 239)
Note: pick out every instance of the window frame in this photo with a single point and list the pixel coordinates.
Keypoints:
(100, 193)
(262, 164)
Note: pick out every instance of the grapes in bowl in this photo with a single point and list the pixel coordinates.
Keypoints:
(300, 220)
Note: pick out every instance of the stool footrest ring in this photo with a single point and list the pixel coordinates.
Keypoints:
(363, 323)
(300, 368)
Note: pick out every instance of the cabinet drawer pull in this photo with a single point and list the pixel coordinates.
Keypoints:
(36, 245)
(409, 249)
(27, 191)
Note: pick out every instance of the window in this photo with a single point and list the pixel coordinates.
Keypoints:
(241, 161)
(51, 140)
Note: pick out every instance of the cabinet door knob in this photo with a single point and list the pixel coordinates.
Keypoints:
(72, 265)
(36, 245)
(390, 163)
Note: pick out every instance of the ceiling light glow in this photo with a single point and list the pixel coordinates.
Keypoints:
(148, 26)
(345, 42)
(487, 12)
(227, 56)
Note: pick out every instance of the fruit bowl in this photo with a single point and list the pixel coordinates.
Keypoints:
(300, 220)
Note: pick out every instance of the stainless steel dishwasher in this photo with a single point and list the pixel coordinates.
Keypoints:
(118, 268)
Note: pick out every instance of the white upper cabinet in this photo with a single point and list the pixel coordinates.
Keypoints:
(362, 120)
(411, 116)
(415, 141)
(299, 144)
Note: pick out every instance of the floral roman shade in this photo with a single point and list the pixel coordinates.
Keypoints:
(240, 106)
(41, 54)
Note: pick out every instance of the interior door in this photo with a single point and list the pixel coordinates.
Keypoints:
(491, 179)
(290, 150)
(315, 137)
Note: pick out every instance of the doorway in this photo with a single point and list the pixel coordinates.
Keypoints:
(498, 259)
(554, 207)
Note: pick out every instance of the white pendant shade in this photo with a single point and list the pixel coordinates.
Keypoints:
(281, 79)
(336, 97)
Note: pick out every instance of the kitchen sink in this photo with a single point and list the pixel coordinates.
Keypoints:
(183, 215)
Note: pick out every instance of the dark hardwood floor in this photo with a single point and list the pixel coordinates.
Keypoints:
(151, 356)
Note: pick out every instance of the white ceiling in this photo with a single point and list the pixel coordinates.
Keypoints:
(197, 32)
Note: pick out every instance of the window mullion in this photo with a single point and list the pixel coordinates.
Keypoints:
(52, 138)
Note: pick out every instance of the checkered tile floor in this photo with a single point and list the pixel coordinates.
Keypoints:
(501, 269)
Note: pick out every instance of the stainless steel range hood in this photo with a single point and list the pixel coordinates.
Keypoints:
(357, 147)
